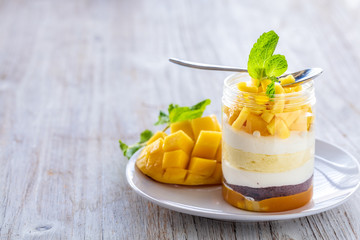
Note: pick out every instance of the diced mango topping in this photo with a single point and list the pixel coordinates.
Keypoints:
(247, 87)
(240, 120)
(177, 159)
(256, 123)
(287, 80)
(281, 129)
(256, 113)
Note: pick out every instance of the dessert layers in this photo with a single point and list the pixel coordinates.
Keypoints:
(261, 172)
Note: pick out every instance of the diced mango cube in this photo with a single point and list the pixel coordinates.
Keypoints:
(175, 159)
(289, 117)
(279, 89)
(141, 163)
(264, 84)
(216, 123)
(196, 179)
(207, 144)
(156, 146)
(202, 166)
(256, 123)
(300, 124)
(153, 166)
(240, 120)
(155, 160)
(203, 123)
(267, 116)
(217, 175)
(144, 153)
(271, 127)
(281, 130)
(178, 140)
(183, 125)
(279, 105)
(261, 99)
(233, 114)
(247, 87)
(156, 136)
(287, 80)
(175, 175)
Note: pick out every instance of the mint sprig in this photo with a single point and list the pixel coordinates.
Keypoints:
(177, 113)
(128, 151)
(262, 64)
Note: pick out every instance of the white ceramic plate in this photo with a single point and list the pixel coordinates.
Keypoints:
(336, 178)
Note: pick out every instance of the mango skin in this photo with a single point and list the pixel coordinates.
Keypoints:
(177, 159)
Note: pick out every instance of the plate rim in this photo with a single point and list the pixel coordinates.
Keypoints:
(259, 216)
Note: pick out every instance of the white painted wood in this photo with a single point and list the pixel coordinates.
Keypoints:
(76, 76)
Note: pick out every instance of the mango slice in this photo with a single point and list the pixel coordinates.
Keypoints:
(240, 120)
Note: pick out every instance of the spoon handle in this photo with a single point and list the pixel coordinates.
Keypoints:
(206, 66)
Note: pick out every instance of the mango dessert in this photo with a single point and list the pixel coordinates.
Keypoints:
(268, 142)
(189, 155)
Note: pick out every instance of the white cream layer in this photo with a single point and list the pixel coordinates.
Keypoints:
(252, 179)
(298, 141)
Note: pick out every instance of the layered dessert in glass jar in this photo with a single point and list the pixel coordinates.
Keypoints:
(268, 144)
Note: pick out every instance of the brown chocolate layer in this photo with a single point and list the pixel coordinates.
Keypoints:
(259, 194)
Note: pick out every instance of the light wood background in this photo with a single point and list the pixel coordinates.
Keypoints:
(76, 76)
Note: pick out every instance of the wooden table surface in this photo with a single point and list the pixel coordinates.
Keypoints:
(77, 76)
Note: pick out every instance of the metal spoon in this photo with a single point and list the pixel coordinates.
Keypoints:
(301, 77)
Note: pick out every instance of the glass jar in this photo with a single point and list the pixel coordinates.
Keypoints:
(268, 145)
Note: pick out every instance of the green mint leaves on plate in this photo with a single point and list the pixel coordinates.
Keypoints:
(175, 114)
(128, 151)
(262, 64)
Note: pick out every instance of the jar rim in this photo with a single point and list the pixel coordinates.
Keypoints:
(233, 94)
(305, 87)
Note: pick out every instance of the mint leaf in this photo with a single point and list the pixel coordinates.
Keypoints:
(128, 151)
(145, 136)
(132, 150)
(123, 147)
(270, 90)
(177, 114)
(276, 65)
(162, 119)
(201, 105)
(262, 64)
(262, 50)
